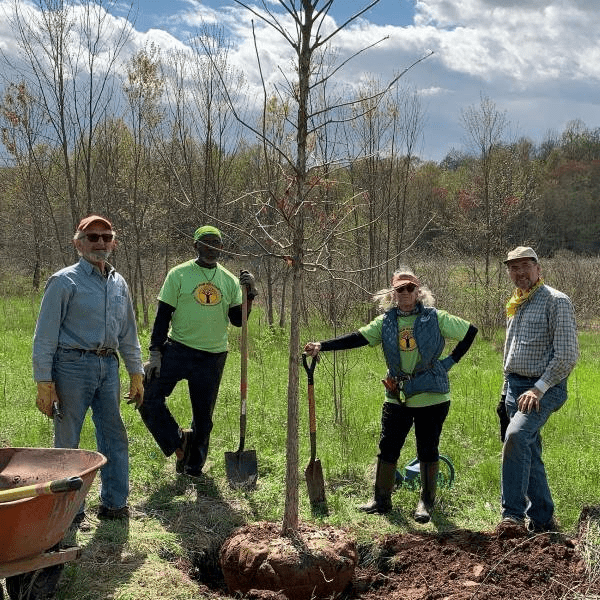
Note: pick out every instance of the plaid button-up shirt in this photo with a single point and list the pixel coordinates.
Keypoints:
(541, 339)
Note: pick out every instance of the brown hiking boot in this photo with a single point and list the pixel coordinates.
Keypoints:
(551, 525)
(510, 527)
(111, 514)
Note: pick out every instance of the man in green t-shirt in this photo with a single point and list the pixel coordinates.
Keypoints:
(197, 301)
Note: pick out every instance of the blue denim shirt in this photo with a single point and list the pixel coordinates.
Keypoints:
(83, 310)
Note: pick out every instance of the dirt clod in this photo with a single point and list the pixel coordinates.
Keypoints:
(316, 563)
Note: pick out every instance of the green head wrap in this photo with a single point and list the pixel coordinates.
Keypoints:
(206, 230)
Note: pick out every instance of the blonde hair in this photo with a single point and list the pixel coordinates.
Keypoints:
(385, 298)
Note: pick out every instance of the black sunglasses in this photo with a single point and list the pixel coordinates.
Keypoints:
(94, 237)
(409, 287)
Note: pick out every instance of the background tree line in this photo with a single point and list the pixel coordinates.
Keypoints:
(161, 143)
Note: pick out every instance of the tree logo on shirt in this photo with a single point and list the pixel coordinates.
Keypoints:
(208, 294)
(406, 341)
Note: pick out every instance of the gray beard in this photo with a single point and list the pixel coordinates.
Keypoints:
(98, 255)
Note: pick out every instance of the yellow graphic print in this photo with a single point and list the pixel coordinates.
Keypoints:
(208, 294)
(406, 340)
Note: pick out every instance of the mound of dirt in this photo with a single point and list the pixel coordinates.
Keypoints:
(463, 564)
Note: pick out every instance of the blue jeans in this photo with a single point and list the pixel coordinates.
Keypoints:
(83, 381)
(525, 490)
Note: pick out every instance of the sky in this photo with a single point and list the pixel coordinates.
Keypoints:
(538, 61)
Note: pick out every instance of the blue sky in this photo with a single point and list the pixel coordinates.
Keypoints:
(152, 13)
(537, 60)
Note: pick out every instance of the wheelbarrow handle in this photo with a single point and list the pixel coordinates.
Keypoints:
(57, 486)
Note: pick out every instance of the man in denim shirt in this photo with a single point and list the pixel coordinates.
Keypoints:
(86, 316)
(540, 351)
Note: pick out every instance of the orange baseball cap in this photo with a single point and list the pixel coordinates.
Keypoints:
(404, 279)
(87, 221)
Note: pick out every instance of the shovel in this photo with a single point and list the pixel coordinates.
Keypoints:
(313, 472)
(241, 466)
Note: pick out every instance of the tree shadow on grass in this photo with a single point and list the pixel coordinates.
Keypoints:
(106, 562)
(194, 510)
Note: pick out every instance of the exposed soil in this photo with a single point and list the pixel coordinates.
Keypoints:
(461, 565)
(464, 564)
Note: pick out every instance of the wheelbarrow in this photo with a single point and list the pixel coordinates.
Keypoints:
(36, 520)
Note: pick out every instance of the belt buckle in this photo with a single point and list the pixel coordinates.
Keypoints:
(104, 351)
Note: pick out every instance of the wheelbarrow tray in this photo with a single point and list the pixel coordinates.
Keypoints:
(31, 526)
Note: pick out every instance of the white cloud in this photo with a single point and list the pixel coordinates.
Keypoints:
(538, 59)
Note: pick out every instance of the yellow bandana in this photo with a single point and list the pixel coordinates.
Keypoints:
(519, 297)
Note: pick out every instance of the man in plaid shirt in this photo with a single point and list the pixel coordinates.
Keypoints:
(540, 351)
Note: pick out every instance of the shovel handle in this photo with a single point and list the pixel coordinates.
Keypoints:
(57, 486)
(312, 417)
(310, 370)
(243, 367)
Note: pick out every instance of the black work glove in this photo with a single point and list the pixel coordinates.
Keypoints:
(504, 418)
(247, 279)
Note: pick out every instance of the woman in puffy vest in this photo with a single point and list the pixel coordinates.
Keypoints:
(417, 391)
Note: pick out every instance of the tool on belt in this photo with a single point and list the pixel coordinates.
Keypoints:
(395, 385)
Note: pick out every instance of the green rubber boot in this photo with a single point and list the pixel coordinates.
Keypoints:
(429, 473)
(384, 485)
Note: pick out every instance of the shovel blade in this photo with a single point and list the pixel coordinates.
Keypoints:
(241, 469)
(315, 483)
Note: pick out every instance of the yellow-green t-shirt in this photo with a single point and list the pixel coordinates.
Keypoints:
(202, 298)
(450, 327)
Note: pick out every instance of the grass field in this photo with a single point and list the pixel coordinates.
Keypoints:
(178, 522)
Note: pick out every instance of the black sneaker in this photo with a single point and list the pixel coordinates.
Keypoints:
(111, 514)
(186, 446)
(192, 472)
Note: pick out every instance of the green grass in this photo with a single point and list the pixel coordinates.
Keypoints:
(178, 525)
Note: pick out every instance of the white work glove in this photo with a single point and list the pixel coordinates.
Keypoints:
(247, 279)
(152, 367)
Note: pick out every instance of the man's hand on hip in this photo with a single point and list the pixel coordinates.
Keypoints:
(46, 397)
(529, 400)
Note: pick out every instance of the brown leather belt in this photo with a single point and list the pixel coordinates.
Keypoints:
(101, 351)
